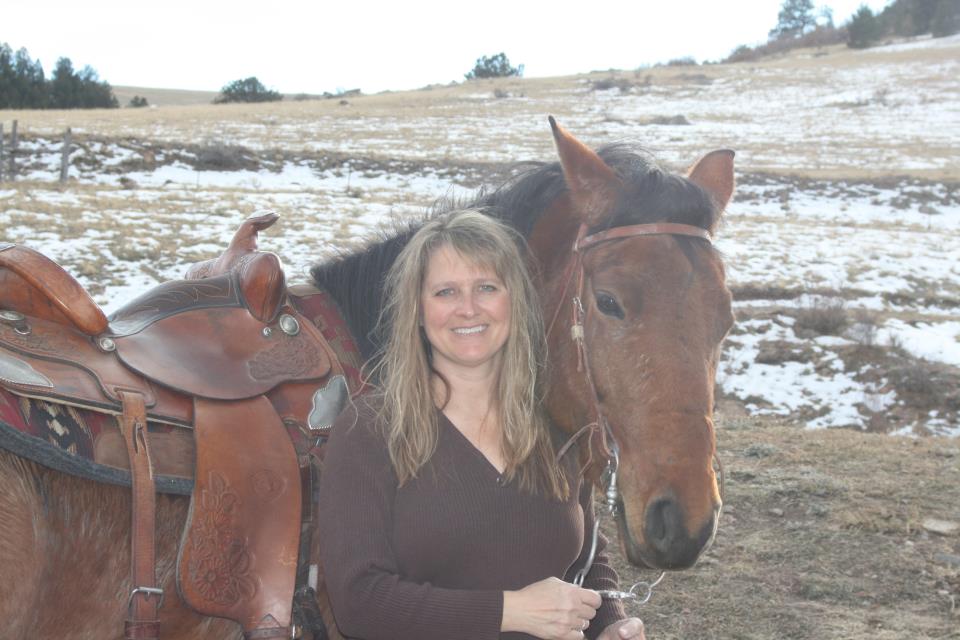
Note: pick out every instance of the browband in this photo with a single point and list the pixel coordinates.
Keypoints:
(649, 229)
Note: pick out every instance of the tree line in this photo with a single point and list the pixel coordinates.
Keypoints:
(904, 18)
(23, 84)
(800, 24)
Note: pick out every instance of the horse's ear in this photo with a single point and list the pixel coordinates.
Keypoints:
(714, 173)
(592, 183)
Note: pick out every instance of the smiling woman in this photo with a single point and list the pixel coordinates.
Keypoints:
(463, 524)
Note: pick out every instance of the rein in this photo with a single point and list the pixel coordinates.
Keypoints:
(608, 444)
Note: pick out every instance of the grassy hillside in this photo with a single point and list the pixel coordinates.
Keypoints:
(831, 113)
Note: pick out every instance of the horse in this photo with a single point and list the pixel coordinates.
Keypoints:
(637, 307)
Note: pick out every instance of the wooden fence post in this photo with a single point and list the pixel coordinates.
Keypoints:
(13, 151)
(1, 152)
(65, 156)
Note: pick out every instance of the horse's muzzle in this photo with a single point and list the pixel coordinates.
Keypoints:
(667, 544)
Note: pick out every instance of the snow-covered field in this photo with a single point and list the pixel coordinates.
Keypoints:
(876, 255)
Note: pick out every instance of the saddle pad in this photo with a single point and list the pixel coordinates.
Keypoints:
(222, 353)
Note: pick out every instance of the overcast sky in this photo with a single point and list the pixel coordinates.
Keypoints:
(312, 47)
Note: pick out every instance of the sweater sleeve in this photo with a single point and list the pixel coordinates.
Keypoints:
(370, 598)
(602, 575)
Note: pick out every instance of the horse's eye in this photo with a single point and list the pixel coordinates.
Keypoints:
(608, 305)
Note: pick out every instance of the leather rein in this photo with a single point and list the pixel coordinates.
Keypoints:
(600, 427)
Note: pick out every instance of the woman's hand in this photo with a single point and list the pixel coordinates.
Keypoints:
(550, 609)
(628, 629)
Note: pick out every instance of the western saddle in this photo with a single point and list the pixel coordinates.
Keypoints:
(223, 352)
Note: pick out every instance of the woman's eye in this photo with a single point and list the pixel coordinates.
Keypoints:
(608, 305)
(443, 292)
(488, 288)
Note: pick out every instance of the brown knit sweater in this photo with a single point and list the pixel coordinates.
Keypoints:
(430, 560)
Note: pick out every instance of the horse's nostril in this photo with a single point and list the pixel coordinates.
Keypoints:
(664, 524)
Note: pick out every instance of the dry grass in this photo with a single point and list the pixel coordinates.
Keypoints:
(821, 537)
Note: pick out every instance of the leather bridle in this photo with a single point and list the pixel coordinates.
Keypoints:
(600, 427)
(583, 242)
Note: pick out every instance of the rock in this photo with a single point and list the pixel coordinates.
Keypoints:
(941, 527)
(776, 512)
(947, 560)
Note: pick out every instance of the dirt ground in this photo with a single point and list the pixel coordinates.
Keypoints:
(824, 534)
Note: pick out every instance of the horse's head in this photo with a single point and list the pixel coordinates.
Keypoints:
(654, 311)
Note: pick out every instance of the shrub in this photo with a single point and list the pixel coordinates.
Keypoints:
(497, 66)
(605, 84)
(246, 90)
(822, 317)
(138, 101)
(223, 157)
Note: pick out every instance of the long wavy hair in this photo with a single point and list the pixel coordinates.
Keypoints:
(405, 370)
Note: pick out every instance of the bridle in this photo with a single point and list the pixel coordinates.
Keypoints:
(583, 242)
(600, 427)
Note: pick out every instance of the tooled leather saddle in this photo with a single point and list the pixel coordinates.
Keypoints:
(224, 353)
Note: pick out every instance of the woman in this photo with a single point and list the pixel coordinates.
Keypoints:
(443, 511)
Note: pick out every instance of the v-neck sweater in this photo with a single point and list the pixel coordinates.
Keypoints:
(431, 559)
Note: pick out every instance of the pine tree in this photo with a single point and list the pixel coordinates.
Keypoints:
(64, 85)
(864, 29)
(30, 81)
(795, 19)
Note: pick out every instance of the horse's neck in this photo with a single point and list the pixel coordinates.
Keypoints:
(355, 282)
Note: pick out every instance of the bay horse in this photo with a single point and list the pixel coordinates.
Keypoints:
(637, 304)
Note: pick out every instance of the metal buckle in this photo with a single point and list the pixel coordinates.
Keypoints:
(147, 592)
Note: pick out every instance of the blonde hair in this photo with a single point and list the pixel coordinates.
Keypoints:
(404, 371)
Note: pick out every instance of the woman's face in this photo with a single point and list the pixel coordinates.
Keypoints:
(466, 313)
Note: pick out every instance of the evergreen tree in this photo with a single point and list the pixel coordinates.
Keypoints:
(863, 29)
(946, 18)
(795, 19)
(22, 84)
(94, 93)
(908, 17)
(497, 66)
(246, 90)
(84, 90)
(30, 80)
(7, 78)
(64, 85)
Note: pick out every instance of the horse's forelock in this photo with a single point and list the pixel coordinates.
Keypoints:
(653, 194)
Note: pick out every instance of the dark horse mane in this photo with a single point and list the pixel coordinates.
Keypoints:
(650, 194)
